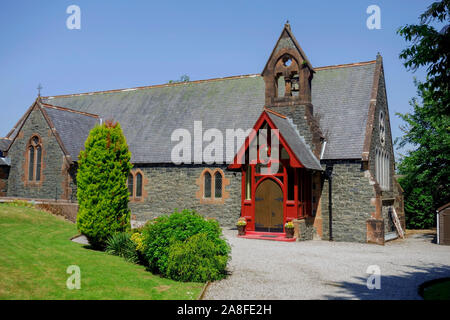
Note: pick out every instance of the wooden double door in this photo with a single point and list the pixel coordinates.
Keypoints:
(269, 204)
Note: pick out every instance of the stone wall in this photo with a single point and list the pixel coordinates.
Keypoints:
(352, 201)
(169, 187)
(51, 184)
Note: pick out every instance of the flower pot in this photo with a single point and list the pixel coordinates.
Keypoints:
(241, 230)
(289, 232)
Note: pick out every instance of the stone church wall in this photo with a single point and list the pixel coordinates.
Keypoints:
(351, 201)
(168, 187)
(51, 184)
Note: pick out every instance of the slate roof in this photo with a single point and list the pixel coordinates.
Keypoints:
(72, 127)
(4, 144)
(149, 115)
(295, 141)
(341, 96)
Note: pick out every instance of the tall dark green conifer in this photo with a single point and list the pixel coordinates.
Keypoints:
(102, 191)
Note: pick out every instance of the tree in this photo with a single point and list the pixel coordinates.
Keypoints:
(430, 48)
(425, 169)
(183, 78)
(102, 192)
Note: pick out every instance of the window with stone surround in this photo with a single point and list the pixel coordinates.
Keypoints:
(34, 160)
(382, 168)
(136, 185)
(212, 184)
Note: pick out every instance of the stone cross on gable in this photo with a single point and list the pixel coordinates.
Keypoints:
(39, 90)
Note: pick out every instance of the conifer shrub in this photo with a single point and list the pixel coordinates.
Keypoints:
(198, 259)
(166, 230)
(102, 191)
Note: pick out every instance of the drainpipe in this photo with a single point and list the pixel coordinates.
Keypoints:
(329, 177)
(437, 224)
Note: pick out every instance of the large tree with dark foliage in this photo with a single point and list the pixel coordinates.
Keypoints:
(425, 168)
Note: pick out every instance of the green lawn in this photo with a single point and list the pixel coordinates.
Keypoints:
(438, 291)
(35, 252)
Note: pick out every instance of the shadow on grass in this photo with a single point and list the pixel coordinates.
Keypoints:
(393, 287)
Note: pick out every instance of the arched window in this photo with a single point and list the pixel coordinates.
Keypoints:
(218, 185)
(34, 159)
(207, 185)
(382, 128)
(31, 163)
(38, 162)
(136, 185)
(212, 186)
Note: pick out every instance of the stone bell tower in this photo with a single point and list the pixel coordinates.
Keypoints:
(287, 76)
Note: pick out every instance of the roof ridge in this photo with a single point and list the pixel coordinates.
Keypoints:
(275, 113)
(346, 65)
(154, 86)
(47, 105)
(197, 81)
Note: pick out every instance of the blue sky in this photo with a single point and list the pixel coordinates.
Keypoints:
(125, 44)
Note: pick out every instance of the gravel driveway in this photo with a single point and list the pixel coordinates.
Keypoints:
(262, 269)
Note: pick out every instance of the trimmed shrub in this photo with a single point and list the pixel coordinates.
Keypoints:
(160, 233)
(198, 259)
(102, 190)
(120, 244)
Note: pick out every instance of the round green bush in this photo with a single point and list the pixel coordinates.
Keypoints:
(198, 259)
(165, 230)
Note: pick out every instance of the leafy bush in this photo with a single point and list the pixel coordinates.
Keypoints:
(120, 244)
(198, 259)
(163, 231)
(102, 190)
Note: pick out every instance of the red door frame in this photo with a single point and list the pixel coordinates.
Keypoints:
(292, 209)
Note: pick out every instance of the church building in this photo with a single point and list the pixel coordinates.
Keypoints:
(325, 130)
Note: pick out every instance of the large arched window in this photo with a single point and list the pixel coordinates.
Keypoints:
(34, 159)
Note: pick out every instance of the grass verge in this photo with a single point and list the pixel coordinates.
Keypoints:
(35, 252)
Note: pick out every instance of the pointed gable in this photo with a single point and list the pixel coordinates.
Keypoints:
(288, 73)
(300, 154)
(287, 41)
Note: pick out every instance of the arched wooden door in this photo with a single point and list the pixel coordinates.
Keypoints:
(269, 207)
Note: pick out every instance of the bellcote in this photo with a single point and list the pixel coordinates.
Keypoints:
(288, 73)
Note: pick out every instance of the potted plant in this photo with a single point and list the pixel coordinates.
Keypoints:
(240, 224)
(289, 229)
